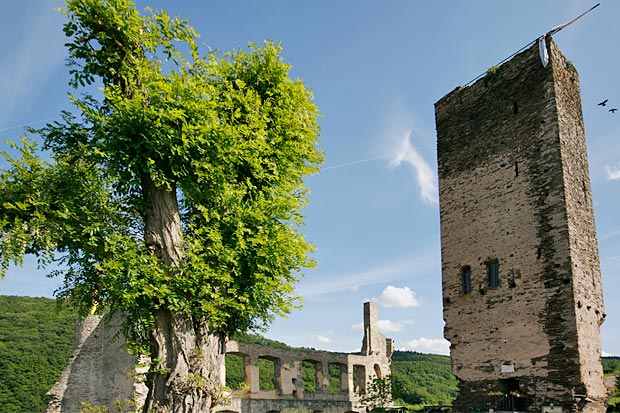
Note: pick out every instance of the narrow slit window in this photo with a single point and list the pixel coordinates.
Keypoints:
(585, 190)
(493, 273)
(466, 280)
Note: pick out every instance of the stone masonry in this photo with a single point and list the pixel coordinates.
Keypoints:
(521, 279)
(101, 372)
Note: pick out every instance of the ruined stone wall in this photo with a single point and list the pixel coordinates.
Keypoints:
(289, 383)
(101, 372)
(511, 154)
(356, 370)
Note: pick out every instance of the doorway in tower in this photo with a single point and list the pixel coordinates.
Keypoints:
(514, 399)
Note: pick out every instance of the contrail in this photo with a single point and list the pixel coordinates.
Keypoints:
(24, 124)
(342, 165)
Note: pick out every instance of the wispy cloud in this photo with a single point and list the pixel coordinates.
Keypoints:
(386, 326)
(608, 235)
(613, 173)
(428, 345)
(322, 339)
(398, 297)
(422, 263)
(425, 176)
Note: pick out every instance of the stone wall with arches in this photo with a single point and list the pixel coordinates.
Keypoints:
(353, 371)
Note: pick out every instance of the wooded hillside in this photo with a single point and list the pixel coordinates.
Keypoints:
(36, 341)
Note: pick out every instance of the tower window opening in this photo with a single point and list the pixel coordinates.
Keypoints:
(466, 280)
(493, 273)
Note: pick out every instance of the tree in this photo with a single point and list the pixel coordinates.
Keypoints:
(174, 197)
(378, 393)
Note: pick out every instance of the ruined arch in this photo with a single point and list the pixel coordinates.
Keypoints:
(378, 373)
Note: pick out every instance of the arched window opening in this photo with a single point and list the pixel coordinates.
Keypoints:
(466, 279)
(378, 371)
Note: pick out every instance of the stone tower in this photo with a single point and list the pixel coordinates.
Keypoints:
(374, 342)
(521, 279)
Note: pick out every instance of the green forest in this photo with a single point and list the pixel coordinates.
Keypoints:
(36, 341)
(36, 338)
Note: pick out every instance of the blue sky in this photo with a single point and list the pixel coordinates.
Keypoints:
(376, 69)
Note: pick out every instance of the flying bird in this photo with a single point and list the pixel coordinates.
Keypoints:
(613, 110)
(603, 103)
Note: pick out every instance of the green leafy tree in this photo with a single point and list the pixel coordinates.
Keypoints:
(173, 196)
(378, 393)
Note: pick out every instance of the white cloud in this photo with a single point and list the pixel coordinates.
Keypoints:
(428, 345)
(322, 339)
(613, 173)
(398, 297)
(385, 326)
(425, 176)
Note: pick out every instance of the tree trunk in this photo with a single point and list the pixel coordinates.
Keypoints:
(162, 223)
(186, 377)
(187, 361)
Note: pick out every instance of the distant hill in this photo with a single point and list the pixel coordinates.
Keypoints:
(424, 379)
(36, 339)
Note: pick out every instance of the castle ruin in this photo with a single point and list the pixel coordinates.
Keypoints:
(355, 372)
(521, 280)
(101, 372)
